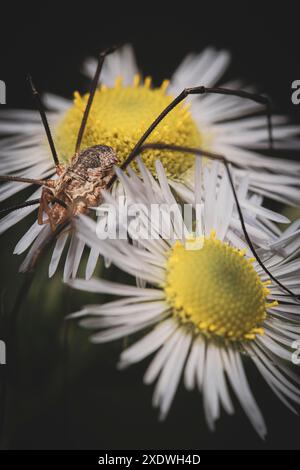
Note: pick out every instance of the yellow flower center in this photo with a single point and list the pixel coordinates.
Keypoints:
(118, 118)
(216, 289)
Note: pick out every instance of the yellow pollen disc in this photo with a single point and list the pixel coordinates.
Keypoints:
(216, 289)
(118, 118)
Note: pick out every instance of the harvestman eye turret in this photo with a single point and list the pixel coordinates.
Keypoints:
(79, 184)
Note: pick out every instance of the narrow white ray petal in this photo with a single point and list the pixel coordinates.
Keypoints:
(19, 115)
(259, 362)
(56, 103)
(210, 395)
(281, 366)
(285, 339)
(191, 366)
(287, 308)
(78, 254)
(14, 217)
(70, 258)
(210, 198)
(42, 236)
(119, 332)
(198, 180)
(191, 70)
(115, 307)
(264, 212)
(154, 313)
(42, 171)
(224, 208)
(287, 269)
(120, 64)
(254, 159)
(201, 362)
(255, 233)
(179, 226)
(283, 326)
(221, 383)
(91, 263)
(168, 370)
(273, 375)
(279, 331)
(253, 122)
(276, 348)
(216, 70)
(286, 194)
(128, 258)
(223, 110)
(14, 127)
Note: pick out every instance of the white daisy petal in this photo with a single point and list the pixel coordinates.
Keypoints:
(180, 350)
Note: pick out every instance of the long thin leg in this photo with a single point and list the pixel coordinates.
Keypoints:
(200, 90)
(93, 89)
(215, 156)
(44, 120)
(264, 100)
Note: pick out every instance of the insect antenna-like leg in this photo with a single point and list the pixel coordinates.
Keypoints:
(93, 89)
(44, 120)
(215, 156)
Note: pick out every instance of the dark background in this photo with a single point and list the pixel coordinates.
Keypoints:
(101, 407)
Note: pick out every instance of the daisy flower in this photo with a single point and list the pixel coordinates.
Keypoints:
(207, 306)
(123, 108)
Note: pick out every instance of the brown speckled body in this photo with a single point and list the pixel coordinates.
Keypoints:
(78, 185)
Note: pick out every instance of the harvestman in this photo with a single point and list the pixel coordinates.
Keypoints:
(79, 184)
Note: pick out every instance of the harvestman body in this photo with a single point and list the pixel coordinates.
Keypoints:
(79, 185)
